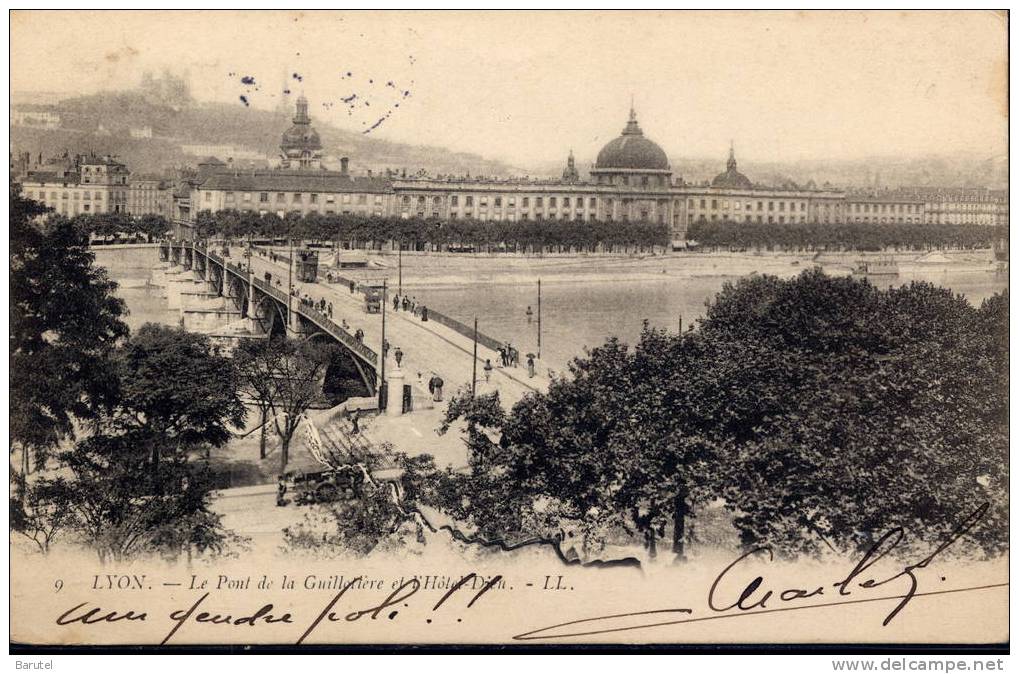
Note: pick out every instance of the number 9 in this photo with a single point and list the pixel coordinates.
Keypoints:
(59, 584)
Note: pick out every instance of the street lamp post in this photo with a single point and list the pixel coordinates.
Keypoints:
(399, 257)
(539, 319)
(290, 283)
(474, 377)
(383, 393)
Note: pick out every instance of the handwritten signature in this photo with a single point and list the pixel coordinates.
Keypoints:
(755, 599)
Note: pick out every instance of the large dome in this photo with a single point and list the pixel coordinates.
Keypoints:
(632, 151)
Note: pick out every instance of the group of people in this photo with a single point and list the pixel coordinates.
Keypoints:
(320, 305)
(509, 356)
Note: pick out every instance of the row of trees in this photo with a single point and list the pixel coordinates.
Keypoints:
(731, 235)
(823, 410)
(359, 231)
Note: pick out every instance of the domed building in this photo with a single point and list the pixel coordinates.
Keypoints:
(301, 146)
(731, 178)
(632, 160)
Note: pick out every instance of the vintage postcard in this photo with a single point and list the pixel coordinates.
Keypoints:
(533, 329)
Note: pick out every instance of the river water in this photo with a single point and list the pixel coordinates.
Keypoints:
(575, 313)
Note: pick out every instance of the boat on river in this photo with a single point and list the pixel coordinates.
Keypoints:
(881, 267)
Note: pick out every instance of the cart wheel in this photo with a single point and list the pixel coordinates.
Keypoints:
(326, 493)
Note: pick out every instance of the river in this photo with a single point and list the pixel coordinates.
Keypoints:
(575, 313)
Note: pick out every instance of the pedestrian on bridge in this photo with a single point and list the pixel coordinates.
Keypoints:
(435, 387)
(530, 314)
(530, 365)
(488, 369)
(396, 302)
(359, 336)
(398, 355)
(330, 310)
(406, 303)
(351, 287)
(503, 356)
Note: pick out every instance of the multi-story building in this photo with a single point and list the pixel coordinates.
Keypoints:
(149, 195)
(631, 180)
(300, 186)
(79, 185)
(41, 118)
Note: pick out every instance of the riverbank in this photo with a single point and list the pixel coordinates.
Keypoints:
(446, 270)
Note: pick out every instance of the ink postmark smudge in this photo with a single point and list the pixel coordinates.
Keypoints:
(244, 100)
(248, 79)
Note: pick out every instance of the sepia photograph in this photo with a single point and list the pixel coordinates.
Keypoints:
(338, 331)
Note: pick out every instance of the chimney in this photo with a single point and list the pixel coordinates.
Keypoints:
(343, 165)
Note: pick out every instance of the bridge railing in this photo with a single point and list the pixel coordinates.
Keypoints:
(267, 288)
(465, 330)
(339, 333)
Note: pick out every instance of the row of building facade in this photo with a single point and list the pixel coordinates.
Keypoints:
(630, 181)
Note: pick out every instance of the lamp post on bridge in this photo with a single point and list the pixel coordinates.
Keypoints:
(383, 388)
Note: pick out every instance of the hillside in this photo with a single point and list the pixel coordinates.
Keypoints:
(102, 122)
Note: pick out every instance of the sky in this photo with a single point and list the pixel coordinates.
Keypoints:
(527, 87)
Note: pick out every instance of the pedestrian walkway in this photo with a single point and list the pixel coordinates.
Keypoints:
(428, 346)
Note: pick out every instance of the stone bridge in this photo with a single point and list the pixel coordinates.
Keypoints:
(221, 297)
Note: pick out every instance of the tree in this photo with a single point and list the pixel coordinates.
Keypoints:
(823, 410)
(122, 509)
(296, 369)
(176, 393)
(257, 362)
(65, 320)
(855, 410)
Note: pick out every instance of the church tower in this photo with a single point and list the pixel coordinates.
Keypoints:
(301, 147)
(570, 174)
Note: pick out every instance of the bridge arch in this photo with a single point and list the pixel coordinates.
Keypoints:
(345, 377)
(271, 316)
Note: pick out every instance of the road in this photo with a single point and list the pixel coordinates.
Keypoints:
(428, 347)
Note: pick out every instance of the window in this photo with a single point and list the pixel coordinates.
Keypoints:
(87, 196)
(362, 198)
(208, 196)
(247, 196)
(280, 198)
(230, 196)
(406, 199)
(525, 202)
(314, 198)
(346, 198)
(781, 207)
(566, 201)
(437, 200)
(470, 201)
(454, 200)
(714, 204)
(539, 201)
(498, 202)
(592, 202)
(421, 201)
(771, 207)
(378, 200)
(643, 181)
(296, 198)
(552, 202)
(263, 197)
(702, 203)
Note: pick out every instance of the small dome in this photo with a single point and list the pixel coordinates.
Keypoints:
(632, 150)
(301, 137)
(731, 178)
